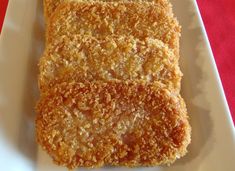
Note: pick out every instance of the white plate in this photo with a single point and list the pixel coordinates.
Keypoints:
(21, 44)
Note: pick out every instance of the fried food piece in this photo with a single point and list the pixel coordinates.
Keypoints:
(113, 58)
(102, 19)
(93, 124)
(51, 5)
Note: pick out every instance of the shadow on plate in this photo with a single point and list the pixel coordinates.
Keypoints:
(25, 145)
(197, 103)
(27, 138)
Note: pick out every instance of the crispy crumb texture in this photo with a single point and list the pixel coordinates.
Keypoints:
(112, 58)
(51, 5)
(109, 82)
(92, 124)
(102, 19)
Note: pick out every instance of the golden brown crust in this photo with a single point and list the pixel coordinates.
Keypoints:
(113, 58)
(51, 5)
(91, 124)
(110, 81)
(100, 19)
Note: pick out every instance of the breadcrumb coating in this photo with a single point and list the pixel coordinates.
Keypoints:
(92, 124)
(109, 82)
(51, 5)
(113, 58)
(102, 19)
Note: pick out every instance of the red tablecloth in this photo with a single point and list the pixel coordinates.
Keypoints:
(3, 6)
(219, 19)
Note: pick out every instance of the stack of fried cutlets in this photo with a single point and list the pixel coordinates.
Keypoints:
(109, 82)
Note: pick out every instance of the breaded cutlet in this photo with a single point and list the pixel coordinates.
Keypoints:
(102, 19)
(112, 58)
(92, 124)
(51, 5)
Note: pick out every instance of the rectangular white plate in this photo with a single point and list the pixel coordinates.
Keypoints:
(21, 44)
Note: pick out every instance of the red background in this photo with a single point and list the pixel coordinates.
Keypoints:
(219, 19)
